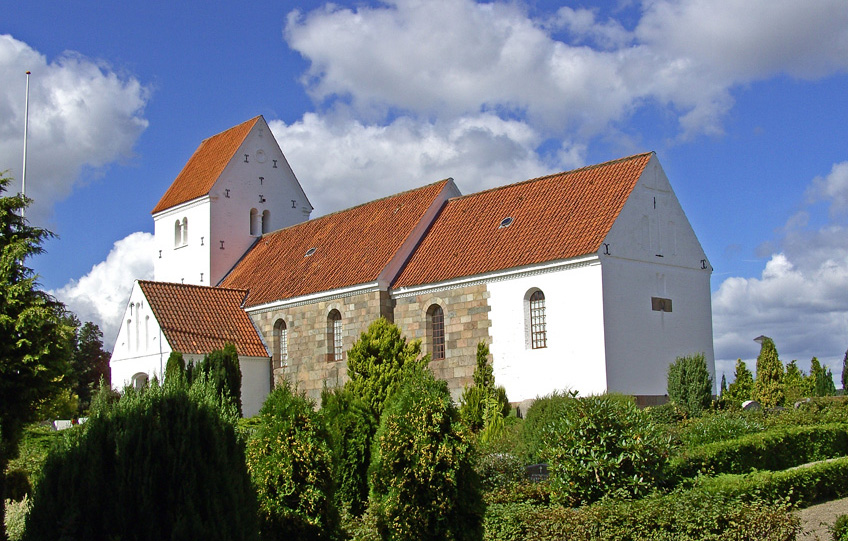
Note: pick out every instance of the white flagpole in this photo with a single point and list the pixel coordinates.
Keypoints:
(26, 128)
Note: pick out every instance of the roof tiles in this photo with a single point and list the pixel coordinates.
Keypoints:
(352, 247)
(199, 319)
(205, 166)
(554, 217)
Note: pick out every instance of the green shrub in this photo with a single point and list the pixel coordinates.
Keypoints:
(680, 515)
(839, 531)
(665, 414)
(175, 367)
(379, 361)
(801, 486)
(775, 449)
(690, 386)
(352, 425)
(720, 426)
(541, 413)
(483, 405)
(768, 389)
(499, 470)
(423, 485)
(602, 445)
(160, 463)
(290, 462)
(222, 368)
(15, 519)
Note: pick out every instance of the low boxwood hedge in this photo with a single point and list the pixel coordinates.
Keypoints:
(775, 449)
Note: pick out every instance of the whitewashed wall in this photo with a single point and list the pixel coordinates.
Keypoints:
(223, 215)
(575, 356)
(141, 346)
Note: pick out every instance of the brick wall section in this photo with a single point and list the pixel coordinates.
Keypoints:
(308, 365)
(467, 323)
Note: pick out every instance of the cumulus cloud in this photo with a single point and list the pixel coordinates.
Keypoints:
(101, 296)
(478, 152)
(447, 58)
(801, 297)
(83, 115)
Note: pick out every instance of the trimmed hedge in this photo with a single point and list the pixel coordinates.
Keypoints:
(775, 449)
(682, 514)
(801, 486)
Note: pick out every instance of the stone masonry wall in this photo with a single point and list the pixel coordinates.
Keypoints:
(467, 323)
(310, 365)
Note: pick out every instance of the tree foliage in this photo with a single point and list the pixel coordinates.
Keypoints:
(423, 482)
(483, 406)
(602, 445)
(742, 387)
(163, 462)
(290, 462)
(352, 425)
(379, 361)
(89, 363)
(821, 379)
(768, 388)
(690, 386)
(34, 348)
(222, 368)
(175, 366)
(795, 384)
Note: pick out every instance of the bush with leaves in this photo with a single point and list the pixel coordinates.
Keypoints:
(423, 485)
(352, 425)
(290, 462)
(720, 426)
(483, 406)
(602, 445)
(379, 361)
(221, 367)
(690, 385)
(839, 531)
(163, 462)
(768, 389)
(742, 386)
(175, 367)
(541, 413)
(821, 379)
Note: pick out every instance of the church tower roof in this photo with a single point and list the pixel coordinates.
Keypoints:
(205, 166)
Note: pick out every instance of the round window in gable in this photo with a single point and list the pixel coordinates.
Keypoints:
(309, 252)
(506, 222)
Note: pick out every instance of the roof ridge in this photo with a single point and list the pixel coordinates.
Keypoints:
(197, 286)
(340, 211)
(544, 177)
(240, 124)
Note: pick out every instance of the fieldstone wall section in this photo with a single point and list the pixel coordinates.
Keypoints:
(309, 364)
(467, 323)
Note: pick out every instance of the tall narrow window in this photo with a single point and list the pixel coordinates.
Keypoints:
(281, 346)
(334, 335)
(538, 327)
(266, 221)
(255, 224)
(185, 231)
(436, 331)
(178, 234)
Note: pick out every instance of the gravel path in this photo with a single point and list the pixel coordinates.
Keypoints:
(816, 519)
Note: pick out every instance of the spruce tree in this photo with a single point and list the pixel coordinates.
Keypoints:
(767, 386)
(742, 386)
(844, 372)
(723, 387)
(821, 379)
(690, 386)
(795, 386)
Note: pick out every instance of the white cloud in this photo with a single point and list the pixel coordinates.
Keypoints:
(478, 152)
(83, 116)
(833, 188)
(448, 58)
(101, 295)
(801, 297)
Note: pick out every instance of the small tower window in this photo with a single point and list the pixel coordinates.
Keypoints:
(255, 223)
(266, 221)
(185, 231)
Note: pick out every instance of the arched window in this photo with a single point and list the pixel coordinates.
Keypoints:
(538, 325)
(255, 225)
(281, 345)
(185, 231)
(139, 380)
(334, 335)
(436, 331)
(178, 234)
(266, 221)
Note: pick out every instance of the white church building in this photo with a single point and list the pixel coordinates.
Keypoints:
(591, 280)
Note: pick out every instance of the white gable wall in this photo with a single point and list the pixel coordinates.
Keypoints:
(574, 357)
(141, 347)
(653, 252)
(174, 261)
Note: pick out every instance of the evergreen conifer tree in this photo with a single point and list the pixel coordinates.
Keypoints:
(821, 379)
(742, 386)
(690, 386)
(844, 372)
(795, 385)
(723, 387)
(768, 389)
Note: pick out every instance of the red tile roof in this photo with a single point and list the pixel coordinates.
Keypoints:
(205, 166)
(352, 247)
(555, 217)
(199, 319)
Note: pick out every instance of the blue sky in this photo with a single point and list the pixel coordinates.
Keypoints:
(745, 103)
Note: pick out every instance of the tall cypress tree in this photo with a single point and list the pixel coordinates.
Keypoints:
(742, 386)
(768, 389)
(844, 372)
